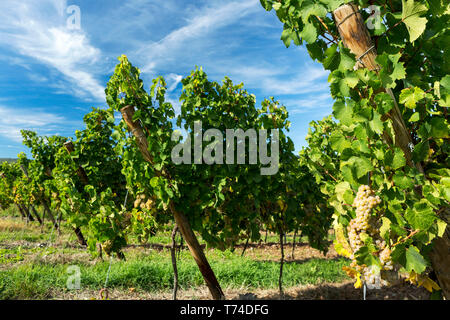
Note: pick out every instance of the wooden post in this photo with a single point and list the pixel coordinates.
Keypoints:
(180, 219)
(36, 215)
(21, 211)
(245, 246)
(80, 236)
(27, 212)
(356, 37)
(174, 263)
(293, 244)
(280, 278)
(48, 211)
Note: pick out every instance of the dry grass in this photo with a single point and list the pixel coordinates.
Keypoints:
(10, 225)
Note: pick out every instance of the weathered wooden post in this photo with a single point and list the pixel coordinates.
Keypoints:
(356, 38)
(180, 219)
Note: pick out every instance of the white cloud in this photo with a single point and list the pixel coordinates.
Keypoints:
(174, 80)
(275, 80)
(12, 120)
(37, 29)
(309, 103)
(179, 43)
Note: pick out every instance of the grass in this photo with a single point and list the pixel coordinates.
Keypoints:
(153, 272)
(33, 266)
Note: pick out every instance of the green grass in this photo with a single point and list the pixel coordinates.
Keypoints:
(28, 271)
(153, 272)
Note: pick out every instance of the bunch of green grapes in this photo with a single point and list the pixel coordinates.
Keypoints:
(363, 227)
(142, 202)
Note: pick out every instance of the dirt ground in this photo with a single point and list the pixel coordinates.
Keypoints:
(325, 291)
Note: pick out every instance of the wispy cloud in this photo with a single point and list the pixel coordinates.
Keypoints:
(12, 120)
(309, 103)
(192, 38)
(37, 29)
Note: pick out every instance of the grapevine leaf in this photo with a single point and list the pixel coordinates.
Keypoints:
(266, 5)
(385, 228)
(364, 256)
(384, 102)
(411, 13)
(421, 216)
(309, 33)
(402, 181)
(439, 128)
(286, 37)
(342, 112)
(414, 117)
(414, 260)
(332, 58)
(420, 152)
(361, 166)
(399, 159)
(338, 142)
(410, 96)
(347, 59)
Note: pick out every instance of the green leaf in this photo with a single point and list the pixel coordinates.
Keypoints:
(361, 165)
(350, 79)
(344, 192)
(414, 117)
(376, 124)
(309, 33)
(338, 142)
(411, 13)
(266, 5)
(420, 152)
(441, 225)
(332, 58)
(421, 216)
(410, 96)
(402, 181)
(365, 256)
(399, 159)
(347, 59)
(312, 8)
(343, 112)
(414, 260)
(286, 37)
(439, 128)
(392, 69)
(154, 182)
(384, 102)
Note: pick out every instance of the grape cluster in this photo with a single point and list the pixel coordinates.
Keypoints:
(144, 203)
(364, 202)
(365, 224)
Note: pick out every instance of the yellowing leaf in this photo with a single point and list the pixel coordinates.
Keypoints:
(341, 250)
(412, 278)
(352, 273)
(358, 283)
(428, 284)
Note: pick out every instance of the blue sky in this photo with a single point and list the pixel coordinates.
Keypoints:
(51, 75)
